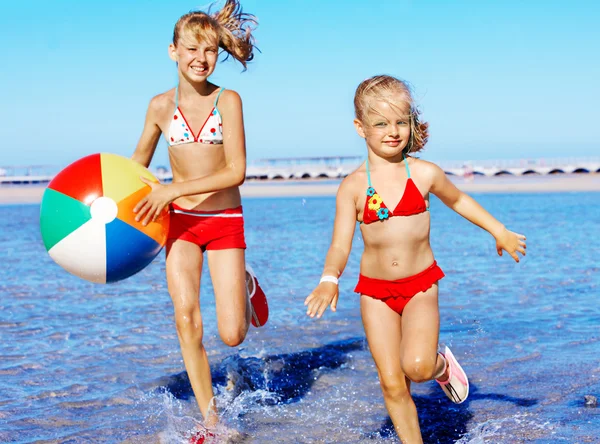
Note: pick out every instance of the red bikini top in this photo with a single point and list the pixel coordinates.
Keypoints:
(412, 201)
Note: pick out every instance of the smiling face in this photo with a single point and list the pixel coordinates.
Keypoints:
(385, 124)
(196, 58)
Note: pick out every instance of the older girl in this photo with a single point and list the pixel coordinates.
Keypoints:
(204, 128)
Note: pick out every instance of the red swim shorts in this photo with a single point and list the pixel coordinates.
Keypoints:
(210, 230)
(396, 294)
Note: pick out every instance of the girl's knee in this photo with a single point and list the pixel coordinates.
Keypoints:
(189, 326)
(394, 387)
(232, 336)
(419, 369)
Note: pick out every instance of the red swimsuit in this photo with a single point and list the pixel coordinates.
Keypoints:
(411, 203)
(210, 230)
(396, 294)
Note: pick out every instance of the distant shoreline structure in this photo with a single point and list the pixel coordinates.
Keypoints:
(311, 188)
(336, 167)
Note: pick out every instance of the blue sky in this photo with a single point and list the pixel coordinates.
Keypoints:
(506, 79)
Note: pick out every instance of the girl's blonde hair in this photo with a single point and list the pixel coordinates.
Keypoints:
(379, 88)
(230, 26)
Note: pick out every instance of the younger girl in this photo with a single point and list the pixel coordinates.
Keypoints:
(398, 283)
(204, 128)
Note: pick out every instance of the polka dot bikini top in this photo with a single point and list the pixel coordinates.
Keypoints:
(210, 133)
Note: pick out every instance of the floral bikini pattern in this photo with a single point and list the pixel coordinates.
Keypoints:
(376, 205)
(411, 202)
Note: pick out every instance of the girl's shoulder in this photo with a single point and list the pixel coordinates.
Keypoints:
(355, 181)
(163, 101)
(424, 170)
(161, 106)
(358, 175)
(228, 98)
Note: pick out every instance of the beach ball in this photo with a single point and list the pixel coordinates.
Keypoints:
(87, 219)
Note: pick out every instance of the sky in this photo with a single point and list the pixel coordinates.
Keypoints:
(495, 80)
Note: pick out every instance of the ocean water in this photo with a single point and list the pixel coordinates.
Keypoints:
(81, 362)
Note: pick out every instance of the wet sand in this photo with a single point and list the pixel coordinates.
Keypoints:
(27, 194)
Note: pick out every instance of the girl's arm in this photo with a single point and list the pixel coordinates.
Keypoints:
(231, 175)
(468, 208)
(150, 136)
(326, 293)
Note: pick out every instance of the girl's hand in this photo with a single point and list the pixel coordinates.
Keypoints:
(150, 207)
(511, 243)
(325, 294)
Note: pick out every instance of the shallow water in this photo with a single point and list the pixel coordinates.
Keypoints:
(81, 362)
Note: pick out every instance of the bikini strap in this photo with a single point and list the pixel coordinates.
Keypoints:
(177, 97)
(218, 95)
(408, 172)
(368, 173)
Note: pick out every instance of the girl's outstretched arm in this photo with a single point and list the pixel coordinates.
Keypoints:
(468, 208)
(326, 293)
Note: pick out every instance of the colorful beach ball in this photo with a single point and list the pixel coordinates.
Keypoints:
(87, 219)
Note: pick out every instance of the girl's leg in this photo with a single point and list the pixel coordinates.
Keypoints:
(228, 274)
(383, 328)
(420, 333)
(420, 359)
(184, 268)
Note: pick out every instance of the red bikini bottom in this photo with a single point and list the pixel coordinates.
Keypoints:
(396, 294)
(210, 230)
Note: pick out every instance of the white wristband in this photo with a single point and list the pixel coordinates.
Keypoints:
(331, 279)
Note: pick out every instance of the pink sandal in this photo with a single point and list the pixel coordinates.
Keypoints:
(456, 386)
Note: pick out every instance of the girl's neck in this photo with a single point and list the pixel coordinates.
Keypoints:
(187, 88)
(376, 160)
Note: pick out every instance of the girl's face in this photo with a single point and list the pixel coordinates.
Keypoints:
(196, 59)
(386, 126)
